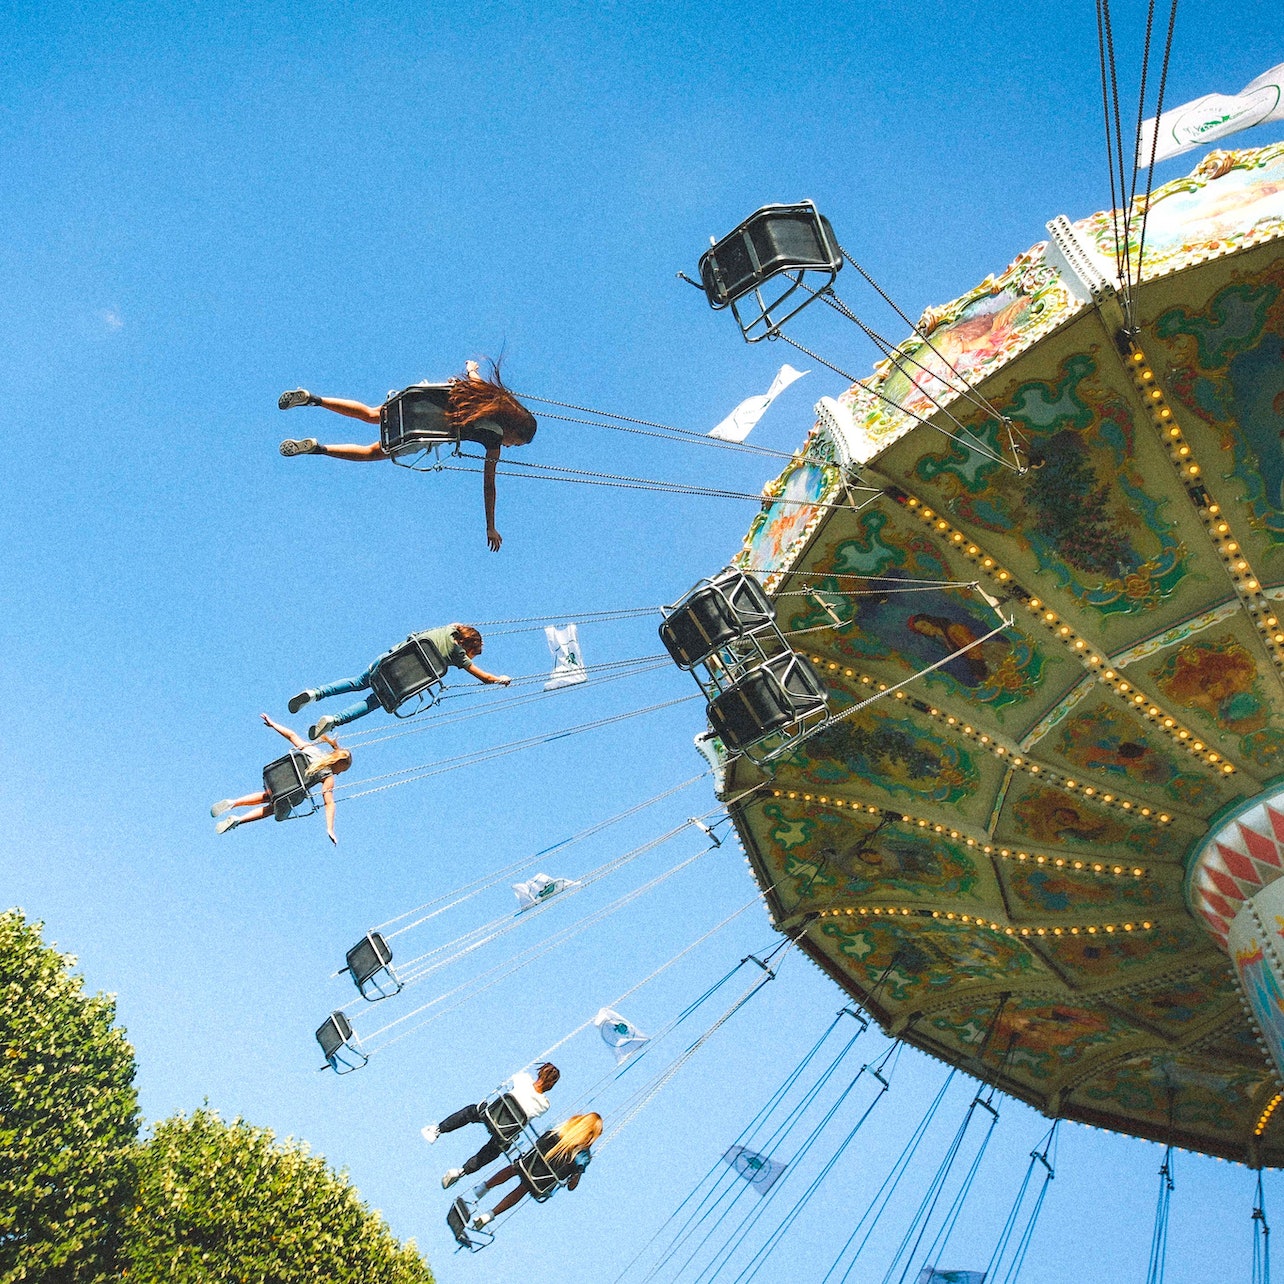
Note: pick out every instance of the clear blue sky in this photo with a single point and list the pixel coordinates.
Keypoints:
(205, 204)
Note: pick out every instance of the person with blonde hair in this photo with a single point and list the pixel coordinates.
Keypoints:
(566, 1151)
(471, 408)
(325, 760)
(458, 644)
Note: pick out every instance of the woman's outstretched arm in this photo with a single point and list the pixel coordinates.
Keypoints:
(493, 537)
(283, 731)
(327, 795)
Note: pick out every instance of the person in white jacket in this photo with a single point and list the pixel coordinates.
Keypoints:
(527, 1092)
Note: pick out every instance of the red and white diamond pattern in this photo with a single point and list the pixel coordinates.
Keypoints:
(1235, 863)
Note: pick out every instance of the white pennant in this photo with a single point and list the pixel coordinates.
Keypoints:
(739, 423)
(568, 663)
(619, 1034)
(1213, 116)
(539, 889)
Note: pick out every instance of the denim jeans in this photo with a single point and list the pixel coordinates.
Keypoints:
(359, 709)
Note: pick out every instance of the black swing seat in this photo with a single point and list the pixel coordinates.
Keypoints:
(415, 668)
(722, 610)
(286, 783)
(369, 964)
(539, 1175)
(504, 1119)
(775, 696)
(458, 1220)
(412, 424)
(788, 240)
(339, 1044)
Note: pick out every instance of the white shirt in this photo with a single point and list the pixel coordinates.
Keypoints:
(529, 1097)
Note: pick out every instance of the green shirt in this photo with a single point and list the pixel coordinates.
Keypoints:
(443, 639)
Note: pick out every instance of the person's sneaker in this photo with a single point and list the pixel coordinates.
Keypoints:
(430, 1133)
(303, 446)
(451, 1177)
(482, 1219)
(220, 807)
(295, 397)
(478, 1191)
(304, 697)
(228, 822)
(321, 726)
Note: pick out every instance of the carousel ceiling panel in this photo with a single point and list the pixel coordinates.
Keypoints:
(1223, 687)
(991, 856)
(870, 571)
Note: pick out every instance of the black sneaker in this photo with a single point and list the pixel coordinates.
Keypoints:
(304, 697)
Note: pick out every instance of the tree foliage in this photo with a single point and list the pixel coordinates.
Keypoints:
(223, 1201)
(68, 1116)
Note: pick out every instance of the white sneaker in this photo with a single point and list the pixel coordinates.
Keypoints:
(228, 822)
(298, 701)
(321, 726)
(220, 807)
(478, 1191)
(295, 397)
(430, 1133)
(303, 446)
(482, 1219)
(452, 1175)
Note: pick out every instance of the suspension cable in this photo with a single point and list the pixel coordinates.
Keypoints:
(1047, 1157)
(1261, 1237)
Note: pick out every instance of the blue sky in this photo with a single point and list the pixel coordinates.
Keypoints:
(205, 204)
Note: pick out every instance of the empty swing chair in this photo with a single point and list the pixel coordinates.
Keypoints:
(413, 670)
(413, 427)
(776, 241)
(285, 782)
(369, 963)
(762, 696)
(340, 1045)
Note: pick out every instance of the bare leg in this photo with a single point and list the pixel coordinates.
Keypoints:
(353, 409)
(499, 1178)
(250, 800)
(358, 454)
(508, 1201)
(260, 813)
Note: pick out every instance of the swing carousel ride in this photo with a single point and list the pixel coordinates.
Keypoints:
(1047, 598)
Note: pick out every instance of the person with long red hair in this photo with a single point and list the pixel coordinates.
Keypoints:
(473, 409)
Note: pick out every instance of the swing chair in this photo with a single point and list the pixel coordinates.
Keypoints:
(285, 782)
(786, 241)
(369, 963)
(412, 671)
(762, 696)
(339, 1044)
(413, 426)
(458, 1219)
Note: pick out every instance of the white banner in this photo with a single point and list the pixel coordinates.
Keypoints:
(540, 888)
(739, 423)
(568, 663)
(619, 1034)
(758, 1170)
(1214, 116)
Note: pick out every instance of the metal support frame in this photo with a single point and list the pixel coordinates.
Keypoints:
(775, 241)
(369, 963)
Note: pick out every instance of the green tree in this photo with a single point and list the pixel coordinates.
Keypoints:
(68, 1116)
(223, 1201)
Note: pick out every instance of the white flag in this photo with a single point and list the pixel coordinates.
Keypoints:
(619, 1034)
(540, 888)
(758, 1170)
(568, 663)
(1213, 116)
(931, 1275)
(739, 423)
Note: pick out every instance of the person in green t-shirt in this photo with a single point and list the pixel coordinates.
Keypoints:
(473, 409)
(458, 644)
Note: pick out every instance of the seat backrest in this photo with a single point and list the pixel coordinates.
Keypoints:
(730, 606)
(285, 781)
(407, 670)
(539, 1174)
(368, 956)
(768, 698)
(774, 239)
(504, 1117)
(415, 418)
(333, 1033)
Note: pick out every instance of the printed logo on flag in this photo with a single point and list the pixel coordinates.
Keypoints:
(568, 662)
(619, 1034)
(760, 1171)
